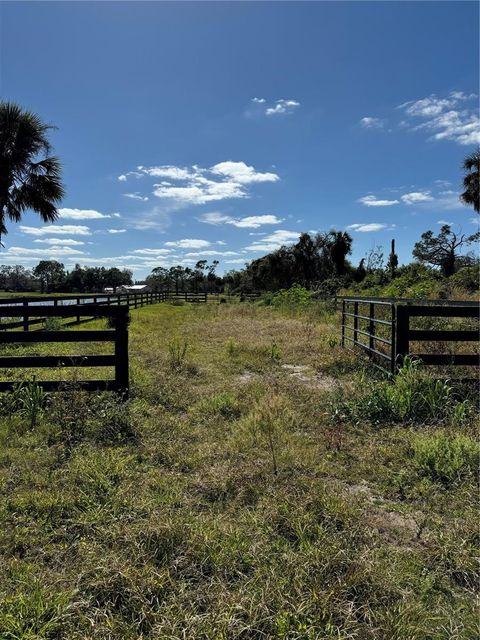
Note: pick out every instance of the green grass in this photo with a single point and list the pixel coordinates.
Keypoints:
(235, 497)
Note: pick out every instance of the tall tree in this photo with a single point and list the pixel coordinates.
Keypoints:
(30, 178)
(51, 275)
(339, 245)
(444, 249)
(471, 181)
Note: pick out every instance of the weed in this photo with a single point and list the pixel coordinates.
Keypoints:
(177, 352)
(445, 458)
(231, 347)
(221, 404)
(268, 424)
(52, 324)
(274, 351)
(32, 400)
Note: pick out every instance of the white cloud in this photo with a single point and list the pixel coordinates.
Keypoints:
(242, 173)
(84, 214)
(208, 252)
(198, 185)
(369, 227)
(49, 252)
(416, 196)
(236, 261)
(66, 242)
(135, 196)
(259, 100)
(372, 123)
(373, 201)
(154, 252)
(188, 243)
(274, 241)
(59, 229)
(445, 222)
(448, 118)
(282, 107)
(116, 230)
(249, 222)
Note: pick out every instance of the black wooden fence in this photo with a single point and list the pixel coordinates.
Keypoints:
(118, 335)
(383, 330)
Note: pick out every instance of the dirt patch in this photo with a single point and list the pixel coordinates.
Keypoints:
(246, 377)
(304, 373)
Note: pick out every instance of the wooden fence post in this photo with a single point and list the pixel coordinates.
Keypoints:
(343, 323)
(25, 318)
(402, 337)
(121, 352)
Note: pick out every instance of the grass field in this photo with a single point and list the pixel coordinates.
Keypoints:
(261, 482)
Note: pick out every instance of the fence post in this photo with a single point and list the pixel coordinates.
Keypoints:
(343, 323)
(402, 339)
(205, 297)
(25, 318)
(135, 300)
(121, 352)
(371, 328)
(355, 322)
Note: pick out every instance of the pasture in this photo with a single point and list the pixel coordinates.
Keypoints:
(260, 482)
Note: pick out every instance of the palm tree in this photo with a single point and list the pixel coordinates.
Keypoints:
(27, 180)
(339, 244)
(471, 181)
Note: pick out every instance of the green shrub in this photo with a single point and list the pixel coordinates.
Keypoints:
(52, 324)
(467, 279)
(296, 296)
(445, 458)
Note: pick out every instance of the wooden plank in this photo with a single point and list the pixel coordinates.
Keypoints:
(58, 385)
(443, 312)
(465, 359)
(441, 336)
(107, 335)
(7, 362)
(121, 353)
(65, 311)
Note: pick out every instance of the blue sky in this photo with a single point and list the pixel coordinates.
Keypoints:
(221, 130)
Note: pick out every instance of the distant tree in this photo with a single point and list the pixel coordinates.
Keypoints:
(443, 250)
(392, 261)
(360, 271)
(471, 181)
(375, 259)
(16, 278)
(339, 245)
(51, 275)
(30, 178)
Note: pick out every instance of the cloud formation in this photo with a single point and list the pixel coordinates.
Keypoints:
(416, 196)
(373, 201)
(85, 214)
(372, 123)
(274, 241)
(451, 118)
(249, 222)
(196, 185)
(282, 107)
(369, 227)
(188, 243)
(59, 229)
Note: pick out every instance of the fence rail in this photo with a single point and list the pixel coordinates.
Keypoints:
(383, 330)
(118, 335)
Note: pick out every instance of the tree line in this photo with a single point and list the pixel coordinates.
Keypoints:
(50, 276)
